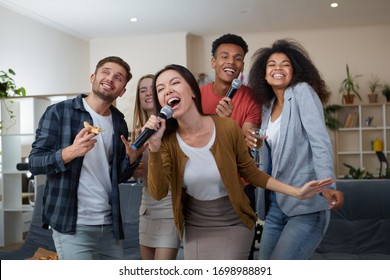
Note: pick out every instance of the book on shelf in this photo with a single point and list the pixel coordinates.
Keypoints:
(351, 120)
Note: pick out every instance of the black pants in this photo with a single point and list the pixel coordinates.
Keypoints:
(250, 193)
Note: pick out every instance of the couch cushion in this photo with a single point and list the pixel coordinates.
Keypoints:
(361, 229)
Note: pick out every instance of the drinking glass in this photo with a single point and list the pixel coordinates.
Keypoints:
(259, 134)
(31, 192)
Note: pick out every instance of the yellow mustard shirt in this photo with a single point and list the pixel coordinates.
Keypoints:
(166, 168)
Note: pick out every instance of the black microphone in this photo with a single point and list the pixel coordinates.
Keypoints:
(22, 166)
(236, 83)
(165, 113)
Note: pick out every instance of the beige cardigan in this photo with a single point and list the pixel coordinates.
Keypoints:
(166, 168)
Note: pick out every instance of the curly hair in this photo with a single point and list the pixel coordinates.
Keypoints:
(304, 70)
(229, 39)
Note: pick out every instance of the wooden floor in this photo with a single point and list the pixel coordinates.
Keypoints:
(12, 246)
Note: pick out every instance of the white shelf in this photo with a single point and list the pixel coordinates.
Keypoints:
(348, 129)
(354, 144)
(16, 138)
(23, 208)
(349, 153)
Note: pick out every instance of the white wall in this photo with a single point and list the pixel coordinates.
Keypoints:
(46, 61)
(365, 49)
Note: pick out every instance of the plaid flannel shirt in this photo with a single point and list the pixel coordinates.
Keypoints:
(57, 129)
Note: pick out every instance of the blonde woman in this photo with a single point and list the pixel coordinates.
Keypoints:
(157, 232)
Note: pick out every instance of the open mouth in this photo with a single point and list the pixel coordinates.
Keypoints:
(106, 86)
(278, 76)
(229, 70)
(173, 102)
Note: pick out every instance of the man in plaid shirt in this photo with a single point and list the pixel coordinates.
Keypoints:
(83, 169)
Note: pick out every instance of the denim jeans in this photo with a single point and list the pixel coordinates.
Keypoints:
(89, 243)
(291, 238)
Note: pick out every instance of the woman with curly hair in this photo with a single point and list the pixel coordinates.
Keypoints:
(297, 149)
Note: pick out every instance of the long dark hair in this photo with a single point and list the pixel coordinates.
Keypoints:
(304, 70)
(191, 80)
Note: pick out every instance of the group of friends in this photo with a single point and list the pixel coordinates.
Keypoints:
(202, 187)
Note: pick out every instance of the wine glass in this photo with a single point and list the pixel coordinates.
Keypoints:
(259, 134)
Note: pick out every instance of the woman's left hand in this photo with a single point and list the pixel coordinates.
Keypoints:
(312, 188)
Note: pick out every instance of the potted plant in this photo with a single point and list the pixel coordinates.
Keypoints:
(330, 120)
(386, 92)
(357, 173)
(349, 88)
(373, 84)
(8, 88)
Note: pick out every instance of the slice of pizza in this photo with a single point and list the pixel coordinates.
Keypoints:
(95, 130)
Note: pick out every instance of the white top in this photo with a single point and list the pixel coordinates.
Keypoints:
(202, 179)
(94, 191)
(273, 133)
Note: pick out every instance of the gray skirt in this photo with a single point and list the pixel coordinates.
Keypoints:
(157, 232)
(156, 225)
(213, 231)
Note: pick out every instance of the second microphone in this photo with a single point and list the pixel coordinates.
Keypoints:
(236, 83)
(166, 112)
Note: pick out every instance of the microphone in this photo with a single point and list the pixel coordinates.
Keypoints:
(22, 166)
(236, 83)
(165, 113)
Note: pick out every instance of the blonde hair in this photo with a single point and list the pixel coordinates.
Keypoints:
(140, 115)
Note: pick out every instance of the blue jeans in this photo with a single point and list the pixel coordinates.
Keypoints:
(291, 238)
(89, 243)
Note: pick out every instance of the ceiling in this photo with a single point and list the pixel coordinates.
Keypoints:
(90, 19)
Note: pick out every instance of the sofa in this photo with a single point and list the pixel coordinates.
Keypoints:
(361, 229)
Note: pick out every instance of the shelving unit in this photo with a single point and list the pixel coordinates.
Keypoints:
(16, 138)
(354, 140)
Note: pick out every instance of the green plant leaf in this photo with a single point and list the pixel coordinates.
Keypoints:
(349, 85)
(357, 173)
(8, 89)
(330, 120)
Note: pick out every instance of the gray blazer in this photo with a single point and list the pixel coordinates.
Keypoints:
(304, 150)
